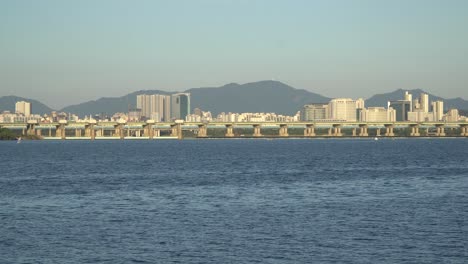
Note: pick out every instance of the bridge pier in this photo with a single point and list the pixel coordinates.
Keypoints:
(389, 130)
(202, 131)
(378, 132)
(60, 130)
(330, 132)
(354, 132)
(363, 130)
(31, 128)
(257, 130)
(464, 130)
(148, 129)
(229, 130)
(176, 129)
(337, 130)
(283, 131)
(119, 130)
(440, 130)
(414, 131)
(309, 130)
(89, 130)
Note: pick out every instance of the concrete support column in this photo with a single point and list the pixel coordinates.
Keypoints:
(283, 131)
(30, 128)
(77, 132)
(39, 132)
(89, 130)
(337, 131)
(309, 131)
(363, 131)
(354, 132)
(464, 130)
(157, 133)
(173, 130)
(60, 130)
(378, 132)
(257, 130)
(119, 130)
(148, 129)
(330, 132)
(389, 131)
(440, 130)
(229, 130)
(202, 131)
(415, 131)
(176, 129)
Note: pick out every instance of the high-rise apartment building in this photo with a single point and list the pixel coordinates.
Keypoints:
(424, 101)
(313, 112)
(23, 107)
(342, 109)
(402, 107)
(438, 110)
(409, 98)
(180, 105)
(155, 106)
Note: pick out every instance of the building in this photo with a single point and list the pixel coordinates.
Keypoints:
(23, 108)
(377, 114)
(402, 108)
(452, 115)
(155, 106)
(180, 105)
(342, 109)
(409, 97)
(438, 110)
(420, 116)
(312, 112)
(424, 101)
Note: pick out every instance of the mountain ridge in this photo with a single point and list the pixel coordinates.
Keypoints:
(261, 96)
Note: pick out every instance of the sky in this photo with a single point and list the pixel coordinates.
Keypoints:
(64, 52)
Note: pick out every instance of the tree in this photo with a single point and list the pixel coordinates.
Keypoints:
(6, 134)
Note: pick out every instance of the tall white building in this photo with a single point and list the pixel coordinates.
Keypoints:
(438, 110)
(342, 109)
(409, 97)
(23, 107)
(155, 106)
(424, 100)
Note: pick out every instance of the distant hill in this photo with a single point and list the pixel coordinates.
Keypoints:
(108, 105)
(7, 103)
(382, 99)
(263, 96)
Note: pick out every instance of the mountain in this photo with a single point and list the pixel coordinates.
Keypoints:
(263, 96)
(382, 99)
(108, 105)
(7, 103)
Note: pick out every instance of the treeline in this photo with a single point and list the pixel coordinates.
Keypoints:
(6, 134)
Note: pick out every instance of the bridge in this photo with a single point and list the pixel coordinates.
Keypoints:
(150, 129)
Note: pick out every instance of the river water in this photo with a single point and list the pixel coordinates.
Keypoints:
(234, 201)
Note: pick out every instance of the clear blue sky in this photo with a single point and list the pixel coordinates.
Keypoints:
(63, 52)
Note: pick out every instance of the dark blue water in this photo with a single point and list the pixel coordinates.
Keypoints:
(234, 201)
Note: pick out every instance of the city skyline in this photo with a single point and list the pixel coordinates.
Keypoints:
(80, 51)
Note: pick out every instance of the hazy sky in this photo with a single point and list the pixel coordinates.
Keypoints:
(64, 52)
